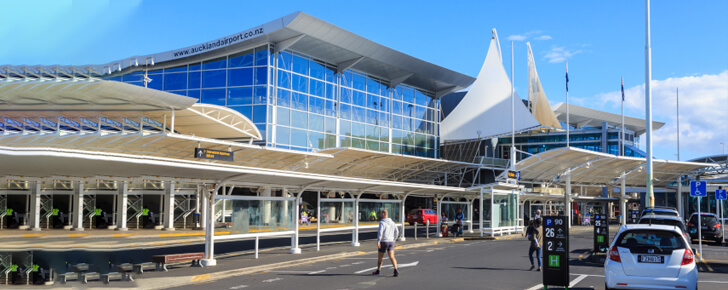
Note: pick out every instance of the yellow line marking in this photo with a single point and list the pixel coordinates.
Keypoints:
(398, 247)
(205, 282)
(708, 266)
(361, 253)
(77, 235)
(33, 235)
(181, 235)
(259, 273)
(200, 277)
(120, 235)
(435, 243)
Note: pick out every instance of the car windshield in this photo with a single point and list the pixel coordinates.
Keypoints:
(415, 211)
(642, 240)
(660, 212)
(662, 222)
(706, 219)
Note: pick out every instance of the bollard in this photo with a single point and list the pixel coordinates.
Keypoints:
(256, 246)
(415, 230)
(427, 228)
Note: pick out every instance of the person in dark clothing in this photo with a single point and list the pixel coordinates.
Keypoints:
(533, 233)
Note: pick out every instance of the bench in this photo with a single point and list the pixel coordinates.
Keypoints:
(123, 274)
(161, 261)
(68, 276)
(90, 276)
(139, 268)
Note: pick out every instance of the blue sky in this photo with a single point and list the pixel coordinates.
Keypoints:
(602, 40)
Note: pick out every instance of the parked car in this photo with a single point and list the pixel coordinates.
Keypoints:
(421, 216)
(666, 220)
(711, 228)
(645, 256)
(668, 211)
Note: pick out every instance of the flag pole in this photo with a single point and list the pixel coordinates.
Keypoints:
(513, 116)
(622, 151)
(648, 106)
(567, 105)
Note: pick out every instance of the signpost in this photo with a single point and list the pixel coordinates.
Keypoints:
(699, 189)
(514, 175)
(555, 251)
(213, 154)
(720, 196)
(601, 233)
(634, 216)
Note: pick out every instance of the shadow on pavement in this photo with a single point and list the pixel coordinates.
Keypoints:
(488, 268)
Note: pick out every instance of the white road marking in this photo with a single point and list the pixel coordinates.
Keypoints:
(571, 284)
(330, 268)
(317, 272)
(291, 272)
(717, 282)
(413, 264)
(272, 280)
(357, 263)
(238, 287)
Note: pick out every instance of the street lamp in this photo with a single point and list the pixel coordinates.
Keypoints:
(723, 145)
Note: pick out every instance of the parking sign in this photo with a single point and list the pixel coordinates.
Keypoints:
(720, 194)
(698, 188)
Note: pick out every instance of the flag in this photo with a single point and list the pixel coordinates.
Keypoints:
(567, 81)
(622, 89)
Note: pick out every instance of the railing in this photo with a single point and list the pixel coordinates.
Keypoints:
(495, 162)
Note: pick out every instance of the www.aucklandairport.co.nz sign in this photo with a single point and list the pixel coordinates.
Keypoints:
(213, 154)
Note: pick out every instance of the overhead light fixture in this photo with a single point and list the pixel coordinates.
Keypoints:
(588, 164)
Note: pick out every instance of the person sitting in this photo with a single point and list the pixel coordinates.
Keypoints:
(458, 226)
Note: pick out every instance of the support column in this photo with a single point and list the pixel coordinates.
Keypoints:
(297, 219)
(121, 206)
(470, 215)
(204, 207)
(35, 206)
(439, 214)
(402, 216)
(567, 199)
(623, 200)
(209, 259)
(77, 206)
(480, 215)
(168, 206)
(355, 233)
(679, 198)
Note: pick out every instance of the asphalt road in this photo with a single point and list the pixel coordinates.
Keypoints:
(501, 264)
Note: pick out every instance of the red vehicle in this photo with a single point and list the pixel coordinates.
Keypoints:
(421, 216)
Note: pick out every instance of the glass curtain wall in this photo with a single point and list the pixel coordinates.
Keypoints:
(370, 212)
(337, 214)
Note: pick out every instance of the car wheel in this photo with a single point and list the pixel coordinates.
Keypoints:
(605, 286)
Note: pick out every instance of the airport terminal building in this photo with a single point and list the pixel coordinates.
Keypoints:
(244, 130)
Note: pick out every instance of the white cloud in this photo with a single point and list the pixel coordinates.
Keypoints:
(542, 37)
(559, 54)
(703, 112)
(516, 37)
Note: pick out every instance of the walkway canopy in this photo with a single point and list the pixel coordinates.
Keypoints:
(591, 168)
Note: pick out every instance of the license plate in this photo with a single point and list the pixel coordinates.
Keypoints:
(705, 228)
(651, 259)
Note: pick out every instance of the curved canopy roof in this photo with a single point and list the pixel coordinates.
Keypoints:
(582, 116)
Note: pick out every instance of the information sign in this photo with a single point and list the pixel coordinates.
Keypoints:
(213, 154)
(634, 216)
(720, 194)
(555, 251)
(601, 233)
(514, 175)
(698, 188)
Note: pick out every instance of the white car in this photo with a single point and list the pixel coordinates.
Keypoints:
(644, 256)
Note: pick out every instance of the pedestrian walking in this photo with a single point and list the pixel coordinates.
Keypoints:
(385, 242)
(534, 236)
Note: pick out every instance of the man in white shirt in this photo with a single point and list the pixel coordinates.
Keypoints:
(386, 235)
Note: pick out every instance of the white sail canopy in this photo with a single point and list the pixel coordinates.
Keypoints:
(485, 110)
(540, 107)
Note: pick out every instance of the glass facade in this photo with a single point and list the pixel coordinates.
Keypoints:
(585, 139)
(301, 103)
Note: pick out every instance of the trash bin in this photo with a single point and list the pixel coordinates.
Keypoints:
(443, 229)
(196, 219)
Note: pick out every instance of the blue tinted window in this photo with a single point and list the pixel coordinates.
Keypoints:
(330, 75)
(317, 88)
(299, 119)
(372, 132)
(284, 79)
(316, 105)
(283, 117)
(116, 79)
(157, 82)
(284, 98)
(300, 65)
(261, 56)
(397, 93)
(330, 125)
(396, 122)
(194, 94)
(134, 77)
(284, 60)
(330, 108)
(384, 134)
(317, 70)
(241, 59)
(358, 114)
(259, 113)
(316, 122)
(360, 98)
(345, 128)
(215, 97)
(177, 81)
(359, 82)
(260, 96)
(195, 66)
(384, 119)
(346, 95)
(397, 107)
(176, 69)
(299, 101)
(240, 77)
(300, 83)
(408, 95)
(240, 96)
(420, 112)
(213, 78)
(357, 130)
(384, 104)
(194, 80)
(261, 75)
(283, 135)
(316, 140)
(330, 92)
(299, 138)
(181, 93)
(154, 72)
(421, 99)
(345, 112)
(247, 111)
(346, 79)
(372, 117)
(215, 63)
(372, 86)
(372, 101)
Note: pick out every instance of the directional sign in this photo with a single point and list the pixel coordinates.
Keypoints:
(213, 154)
(601, 233)
(514, 175)
(555, 251)
(720, 194)
(698, 188)
(634, 216)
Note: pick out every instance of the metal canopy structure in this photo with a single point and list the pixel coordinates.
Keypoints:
(599, 169)
(582, 116)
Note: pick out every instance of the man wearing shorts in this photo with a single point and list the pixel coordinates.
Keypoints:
(386, 235)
